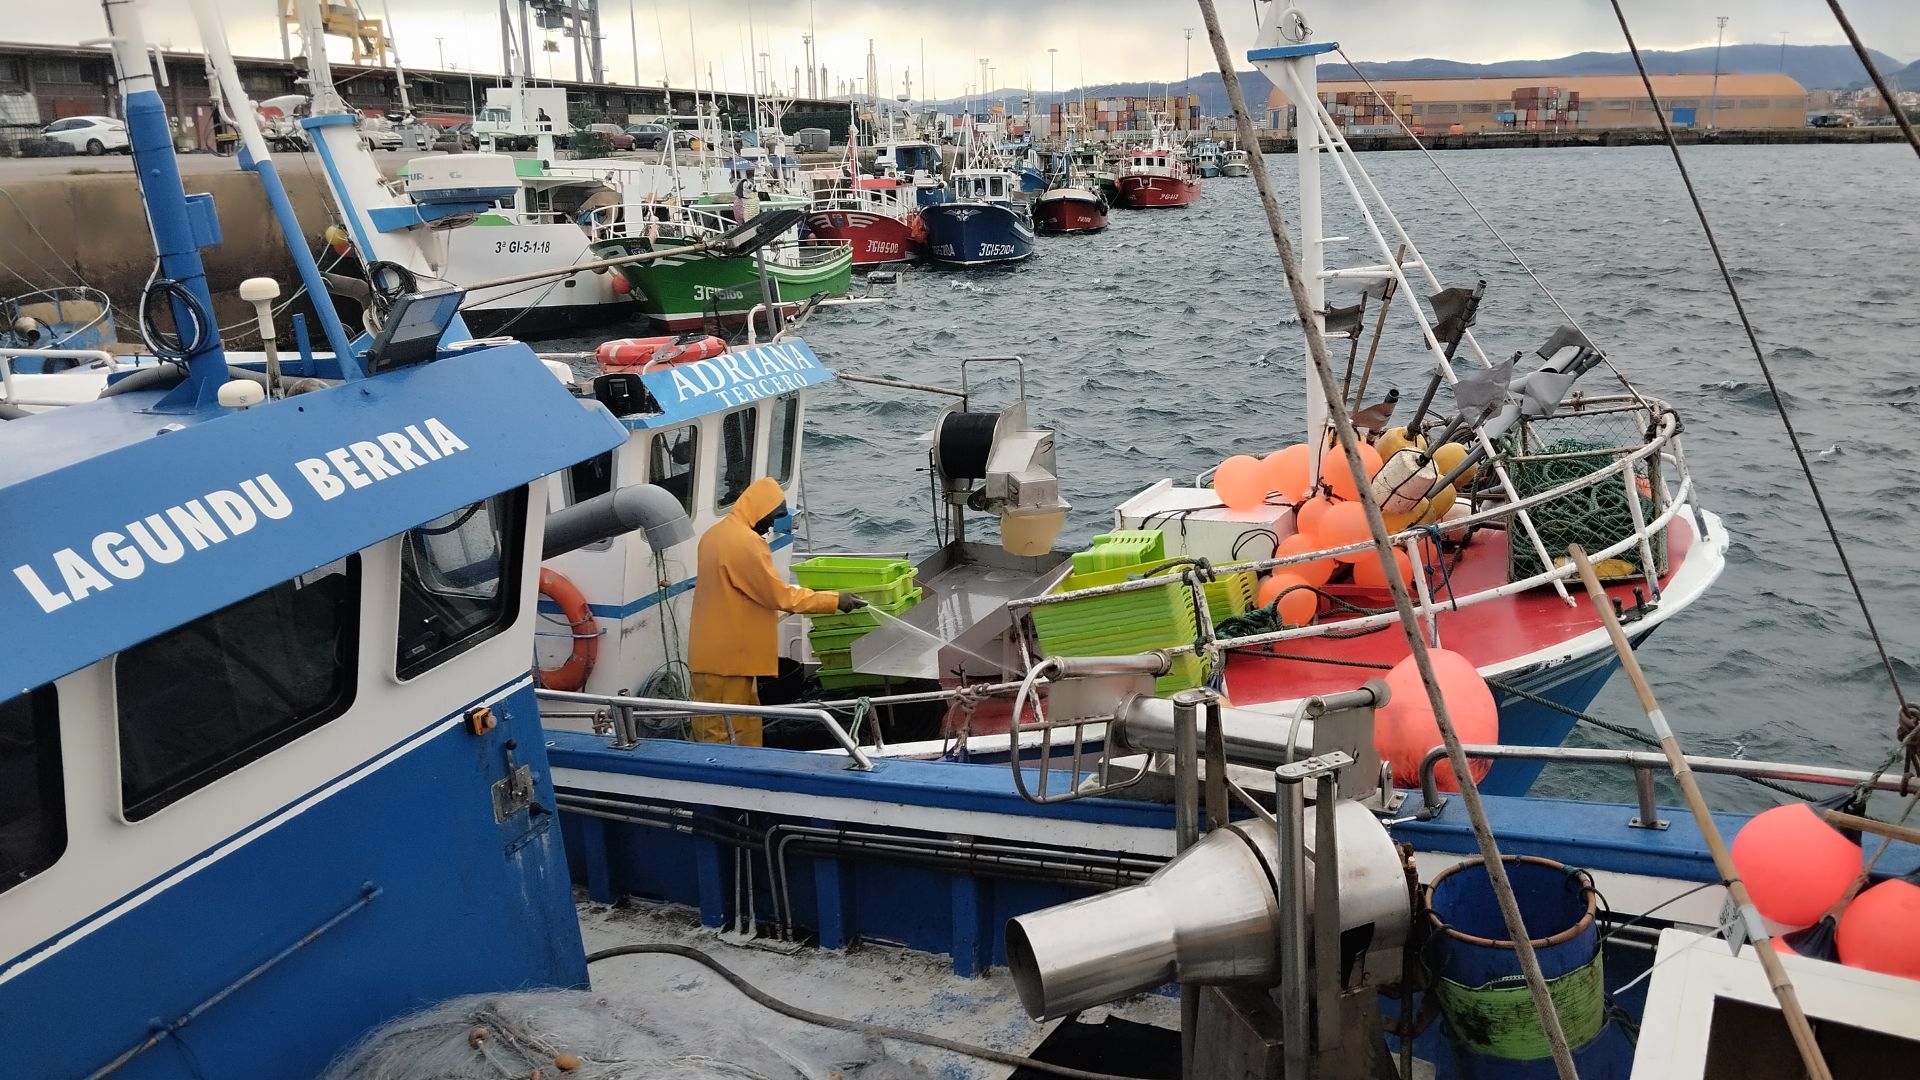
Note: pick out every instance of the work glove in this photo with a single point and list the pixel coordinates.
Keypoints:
(849, 602)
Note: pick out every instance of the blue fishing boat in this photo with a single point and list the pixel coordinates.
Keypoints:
(1206, 158)
(268, 725)
(986, 224)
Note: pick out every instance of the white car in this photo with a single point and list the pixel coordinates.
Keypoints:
(94, 134)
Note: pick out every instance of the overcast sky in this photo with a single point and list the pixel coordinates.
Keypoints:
(1107, 40)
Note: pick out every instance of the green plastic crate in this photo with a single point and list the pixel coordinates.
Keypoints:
(1119, 623)
(884, 595)
(1232, 595)
(845, 572)
(1130, 547)
(866, 617)
(837, 679)
(828, 640)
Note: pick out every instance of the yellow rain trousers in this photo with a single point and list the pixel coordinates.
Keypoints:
(737, 600)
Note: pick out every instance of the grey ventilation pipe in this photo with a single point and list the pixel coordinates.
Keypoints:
(647, 507)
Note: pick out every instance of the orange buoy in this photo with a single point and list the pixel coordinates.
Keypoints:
(1345, 524)
(1338, 475)
(1404, 728)
(1298, 602)
(1796, 866)
(571, 675)
(1287, 471)
(1369, 574)
(1241, 482)
(1880, 930)
(1307, 518)
(1302, 543)
(659, 351)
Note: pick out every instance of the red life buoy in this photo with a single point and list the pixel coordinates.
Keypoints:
(660, 351)
(571, 675)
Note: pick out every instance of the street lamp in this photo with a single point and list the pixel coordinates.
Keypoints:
(1055, 104)
(1713, 111)
(440, 45)
(1783, 51)
(1186, 87)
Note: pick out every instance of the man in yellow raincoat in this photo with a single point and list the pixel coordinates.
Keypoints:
(737, 600)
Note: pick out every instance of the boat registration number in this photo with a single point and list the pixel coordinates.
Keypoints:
(522, 247)
(996, 249)
(943, 249)
(882, 247)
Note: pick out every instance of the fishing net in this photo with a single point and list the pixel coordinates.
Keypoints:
(1562, 449)
(579, 1035)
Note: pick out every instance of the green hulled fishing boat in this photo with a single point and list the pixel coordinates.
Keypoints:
(682, 292)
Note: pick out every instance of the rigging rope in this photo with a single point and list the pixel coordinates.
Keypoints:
(1760, 357)
(1511, 251)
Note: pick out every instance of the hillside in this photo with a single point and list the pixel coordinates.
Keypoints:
(1812, 66)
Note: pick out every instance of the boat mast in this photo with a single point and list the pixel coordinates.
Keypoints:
(1298, 57)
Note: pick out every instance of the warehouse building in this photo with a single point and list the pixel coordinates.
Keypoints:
(1557, 103)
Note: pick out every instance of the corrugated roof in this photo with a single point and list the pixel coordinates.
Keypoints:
(1587, 86)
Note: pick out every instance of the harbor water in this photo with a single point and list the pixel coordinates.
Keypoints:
(1168, 342)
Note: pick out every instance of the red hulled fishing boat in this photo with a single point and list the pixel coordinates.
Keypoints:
(1070, 210)
(1158, 176)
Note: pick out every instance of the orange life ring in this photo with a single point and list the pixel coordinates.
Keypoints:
(638, 352)
(571, 675)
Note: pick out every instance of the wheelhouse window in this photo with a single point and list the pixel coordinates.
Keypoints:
(459, 581)
(737, 431)
(205, 699)
(589, 479)
(783, 447)
(33, 819)
(672, 463)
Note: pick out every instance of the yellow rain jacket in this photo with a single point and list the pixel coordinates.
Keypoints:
(738, 596)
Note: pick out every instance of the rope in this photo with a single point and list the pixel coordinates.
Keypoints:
(1511, 252)
(1759, 356)
(1322, 369)
(1879, 81)
(878, 1031)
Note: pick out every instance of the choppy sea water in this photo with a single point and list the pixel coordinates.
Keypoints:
(1167, 342)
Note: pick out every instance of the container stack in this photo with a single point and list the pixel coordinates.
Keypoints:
(885, 584)
(1129, 117)
(1548, 108)
(1136, 621)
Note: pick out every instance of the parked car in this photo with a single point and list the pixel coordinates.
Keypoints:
(647, 136)
(455, 138)
(94, 134)
(616, 136)
(381, 137)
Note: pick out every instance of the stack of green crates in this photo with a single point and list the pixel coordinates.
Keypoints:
(886, 584)
(1135, 621)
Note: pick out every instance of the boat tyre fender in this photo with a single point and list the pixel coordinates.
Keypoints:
(585, 629)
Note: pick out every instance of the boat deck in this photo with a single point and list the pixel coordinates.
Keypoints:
(1515, 631)
(870, 983)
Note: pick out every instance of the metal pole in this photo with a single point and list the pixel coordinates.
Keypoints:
(1291, 806)
(1713, 109)
(1756, 929)
(1186, 833)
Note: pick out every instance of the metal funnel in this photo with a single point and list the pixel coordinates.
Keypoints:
(1210, 916)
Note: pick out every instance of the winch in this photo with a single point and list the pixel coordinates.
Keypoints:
(1011, 460)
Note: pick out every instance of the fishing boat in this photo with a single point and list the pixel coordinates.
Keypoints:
(1090, 167)
(1204, 155)
(915, 161)
(1069, 209)
(278, 730)
(878, 216)
(987, 223)
(1158, 176)
(690, 288)
(1233, 162)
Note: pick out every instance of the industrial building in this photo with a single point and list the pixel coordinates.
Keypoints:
(1555, 103)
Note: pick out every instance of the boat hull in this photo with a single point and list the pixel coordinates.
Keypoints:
(1236, 169)
(683, 292)
(976, 234)
(876, 238)
(1154, 192)
(1208, 171)
(1069, 214)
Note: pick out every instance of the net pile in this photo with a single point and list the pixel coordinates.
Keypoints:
(1595, 517)
(579, 1035)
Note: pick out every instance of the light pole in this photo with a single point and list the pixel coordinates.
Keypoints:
(1186, 88)
(1713, 111)
(440, 46)
(1051, 93)
(633, 38)
(1783, 51)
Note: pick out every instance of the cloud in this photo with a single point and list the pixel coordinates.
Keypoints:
(1098, 40)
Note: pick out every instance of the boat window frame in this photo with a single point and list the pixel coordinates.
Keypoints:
(722, 459)
(266, 739)
(571, 476)
(659, 449)
(45, 744)
(509, 511)
(787, 407)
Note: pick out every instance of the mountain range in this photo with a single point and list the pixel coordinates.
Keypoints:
(1813, 66)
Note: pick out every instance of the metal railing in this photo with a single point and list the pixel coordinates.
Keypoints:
(98, 358)
(1645, 764)
(626, 730)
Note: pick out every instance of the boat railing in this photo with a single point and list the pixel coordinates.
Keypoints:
(1644, 763)
(623, 712)
(95, 358)
(1657, 462)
